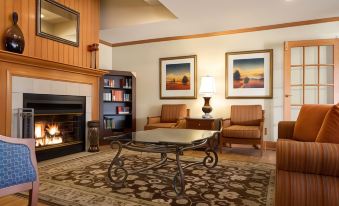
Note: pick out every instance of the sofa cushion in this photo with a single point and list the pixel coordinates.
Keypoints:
(240, 131)
(159, 125)
(309, 122)
(329, 131)
(170, 113)
(247, 115)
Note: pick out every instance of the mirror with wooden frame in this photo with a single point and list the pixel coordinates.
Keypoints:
(57, 22)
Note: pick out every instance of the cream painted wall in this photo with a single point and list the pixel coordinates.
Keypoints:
(105, 57)
(144, 60)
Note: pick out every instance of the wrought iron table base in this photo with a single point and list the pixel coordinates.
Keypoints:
(117, 174)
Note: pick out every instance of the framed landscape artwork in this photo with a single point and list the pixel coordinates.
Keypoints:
(249, 74)
(178, 77)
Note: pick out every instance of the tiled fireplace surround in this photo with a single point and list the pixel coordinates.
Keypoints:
(21, 85)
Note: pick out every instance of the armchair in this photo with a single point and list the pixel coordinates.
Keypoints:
(18, 168)
(172, 116)
(307, 171)
(245, 126)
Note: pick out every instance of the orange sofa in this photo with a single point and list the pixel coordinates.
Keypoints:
(307, 171)
(172, 116)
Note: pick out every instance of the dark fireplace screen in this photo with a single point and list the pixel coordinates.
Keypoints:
(58, 125)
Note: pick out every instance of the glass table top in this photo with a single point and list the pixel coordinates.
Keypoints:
(170, 136)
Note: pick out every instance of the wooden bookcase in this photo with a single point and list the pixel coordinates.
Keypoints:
(117, 109)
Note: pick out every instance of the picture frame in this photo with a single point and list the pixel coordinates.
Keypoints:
(178, 77)
(249, 74)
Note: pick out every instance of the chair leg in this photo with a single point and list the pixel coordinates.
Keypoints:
(33, 194)
(221, 144)
(262, 147)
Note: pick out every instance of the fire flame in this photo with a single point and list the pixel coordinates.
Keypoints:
(41, 136)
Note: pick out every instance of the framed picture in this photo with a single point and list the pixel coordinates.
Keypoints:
(178, 77)
(249, 74)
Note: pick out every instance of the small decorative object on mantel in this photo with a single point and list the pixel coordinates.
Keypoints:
(14, 39)
(207, 88)
(93, 136)
(93, 48)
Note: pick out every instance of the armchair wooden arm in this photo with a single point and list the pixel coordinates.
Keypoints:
(153, 120)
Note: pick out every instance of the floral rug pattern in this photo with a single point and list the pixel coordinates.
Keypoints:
(83, 181)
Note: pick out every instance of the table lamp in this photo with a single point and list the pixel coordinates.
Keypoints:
(207, 89)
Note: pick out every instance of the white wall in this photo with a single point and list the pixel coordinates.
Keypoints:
(144, 60)
(105, 57)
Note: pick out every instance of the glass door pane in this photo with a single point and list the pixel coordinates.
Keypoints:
(296, 75)
(311, 75)
(326, 54)
(297, 56)
(311, 94)
(326, 95)
(326, 75)
(311, 55)
(296, 95)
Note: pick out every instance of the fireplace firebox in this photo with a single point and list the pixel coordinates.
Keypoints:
(59, 124)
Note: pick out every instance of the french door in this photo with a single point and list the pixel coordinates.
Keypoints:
(311, 74)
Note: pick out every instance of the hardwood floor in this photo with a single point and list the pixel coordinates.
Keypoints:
(237, 152)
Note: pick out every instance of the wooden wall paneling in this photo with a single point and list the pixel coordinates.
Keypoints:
(24, 23)
(81, 38)
(76, 54)
(2, 20)
(84, 19)
(50, 50)
(43, 48)
(31, 28)
(3, 89)
(71, 48)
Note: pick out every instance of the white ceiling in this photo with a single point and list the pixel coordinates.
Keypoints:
(203, 16)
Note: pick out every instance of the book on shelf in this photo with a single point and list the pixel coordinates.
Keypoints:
(107, 96)
(123, 110)
(126, 83)
(109, 123)
(118, 95)
(108, 82)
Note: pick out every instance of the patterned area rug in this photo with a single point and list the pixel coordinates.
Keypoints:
(81, 181)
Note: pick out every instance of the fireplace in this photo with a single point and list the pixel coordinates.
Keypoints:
(58, 124)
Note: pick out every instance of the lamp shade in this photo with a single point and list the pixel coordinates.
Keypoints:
(207, 85)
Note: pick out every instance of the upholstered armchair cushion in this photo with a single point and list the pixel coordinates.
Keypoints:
(309, 122)
(171, 113)
(15, 165)
(329, 131)
(308, 157)
(286, 129)
(246, 115)
(239, 131)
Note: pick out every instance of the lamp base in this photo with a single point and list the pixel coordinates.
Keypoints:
(207, 116)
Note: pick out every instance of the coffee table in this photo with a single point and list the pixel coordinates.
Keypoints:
(163, 141)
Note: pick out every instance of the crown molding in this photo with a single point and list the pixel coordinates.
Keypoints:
(226, 32)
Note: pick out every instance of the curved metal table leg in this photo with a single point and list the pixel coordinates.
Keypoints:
(179, 177)
(116, 173)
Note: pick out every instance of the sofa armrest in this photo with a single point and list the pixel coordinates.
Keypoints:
(286, 129)
(153, 120)
(308, 157)
(225, 122)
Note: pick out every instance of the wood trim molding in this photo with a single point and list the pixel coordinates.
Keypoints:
(36, 62)
(227, 32)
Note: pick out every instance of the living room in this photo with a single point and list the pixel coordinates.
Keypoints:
(242, 108)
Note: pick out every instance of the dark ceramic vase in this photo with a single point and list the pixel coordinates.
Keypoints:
(14, 39)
